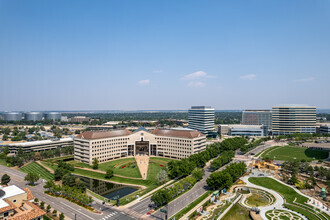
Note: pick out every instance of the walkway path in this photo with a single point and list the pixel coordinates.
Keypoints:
(278, 203)
(143, 163)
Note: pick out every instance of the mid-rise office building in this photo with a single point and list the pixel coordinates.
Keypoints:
(291, 119)
(201, 118)
(115, 144)
(257, 117)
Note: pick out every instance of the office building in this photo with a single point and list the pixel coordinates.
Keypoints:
(15, 204)
(201, 118)
(43, 145)
(242, 130)
(114, 144)
(325, 128)
(291, 119)
(257, 117)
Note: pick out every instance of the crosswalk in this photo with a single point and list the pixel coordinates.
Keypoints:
(112, 214)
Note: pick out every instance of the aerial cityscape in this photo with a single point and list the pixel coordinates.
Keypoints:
(190, 110)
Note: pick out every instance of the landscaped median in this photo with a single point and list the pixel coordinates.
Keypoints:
(73, 200)
(294, 200)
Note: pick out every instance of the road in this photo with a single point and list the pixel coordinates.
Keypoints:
(69, 209)
(179, 203)
(265, 146)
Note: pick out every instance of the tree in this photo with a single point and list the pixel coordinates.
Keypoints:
(48, 208)
(6, 150)
(95, 164)
(161, 177)
(36, 200)
(61, 216)
(5, 179)
(42, 204)
(5, 137)
(54, 212)
(109, 173)
(160, 198)
(198, 173)
(31, 177)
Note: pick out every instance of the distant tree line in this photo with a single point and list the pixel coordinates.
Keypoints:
(23, 157)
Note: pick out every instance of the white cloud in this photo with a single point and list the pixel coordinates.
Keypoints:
(305, 79)
(196, 84)
(144, 82)
(157, 71)
(248, 77)
(196, 76)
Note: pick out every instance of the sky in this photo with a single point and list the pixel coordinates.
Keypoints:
(163, 55)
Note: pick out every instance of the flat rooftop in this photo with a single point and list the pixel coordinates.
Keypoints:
(33, 143)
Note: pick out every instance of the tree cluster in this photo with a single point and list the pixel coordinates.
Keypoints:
(253, 144)
(62, 169)
(164, 196)
(225, 178)
(23, 157)
(70, 191)
(185, 166)
(223, 159)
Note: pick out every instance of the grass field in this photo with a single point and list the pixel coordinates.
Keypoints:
(116, 165)
(237, 212)
(289, 194)
(256, 200)
(290, 153)
(160, 159)
(38, 169)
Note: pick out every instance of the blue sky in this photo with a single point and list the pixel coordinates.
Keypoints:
(129, 55)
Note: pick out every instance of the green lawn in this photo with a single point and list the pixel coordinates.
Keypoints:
(257, 200)
(160, 159)
(153, 170)
(288, 193)
(237, 212)
(38, 169)
(116, 166)
(289, 153)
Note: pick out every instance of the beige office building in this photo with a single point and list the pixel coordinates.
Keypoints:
(115, 144)
(293, 119)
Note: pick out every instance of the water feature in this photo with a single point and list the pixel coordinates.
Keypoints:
(107, 189)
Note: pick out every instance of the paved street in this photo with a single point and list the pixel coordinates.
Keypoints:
(175, 206)
(267, 145)
(70, 210)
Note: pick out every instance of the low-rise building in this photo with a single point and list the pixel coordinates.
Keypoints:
(114, 144)
(37, 146)
(242, 130)
(79, 119)
(16, 204)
